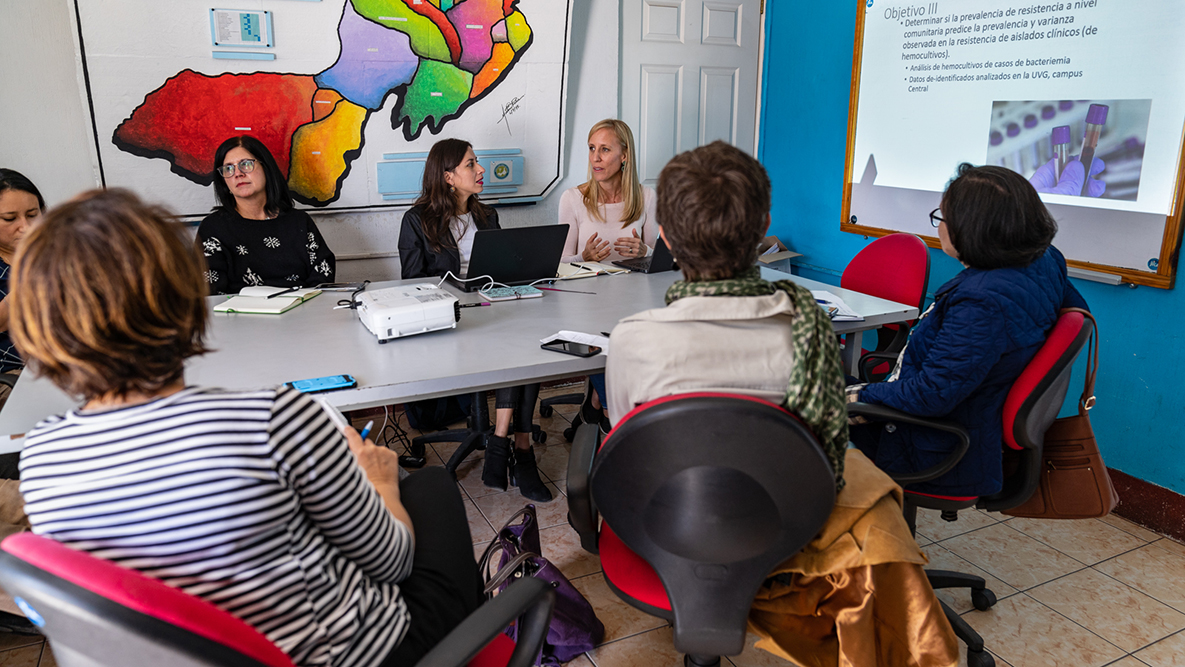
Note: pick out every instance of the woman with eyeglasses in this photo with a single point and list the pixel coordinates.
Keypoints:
(255, 236)
(983, 328)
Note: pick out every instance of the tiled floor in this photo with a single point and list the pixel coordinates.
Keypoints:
(1083, 593)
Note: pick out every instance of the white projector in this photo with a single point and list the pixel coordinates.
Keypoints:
(395, 312)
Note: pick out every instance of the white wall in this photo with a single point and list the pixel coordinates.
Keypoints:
(44, 128)
(47, 132)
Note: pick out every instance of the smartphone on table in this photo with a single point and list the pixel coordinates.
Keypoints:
(327, 383)
(568, 347)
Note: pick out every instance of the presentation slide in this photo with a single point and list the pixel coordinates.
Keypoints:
(1085, 98)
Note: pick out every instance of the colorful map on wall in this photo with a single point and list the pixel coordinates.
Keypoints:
(426, 63)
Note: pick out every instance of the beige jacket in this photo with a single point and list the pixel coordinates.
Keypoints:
(701, 343)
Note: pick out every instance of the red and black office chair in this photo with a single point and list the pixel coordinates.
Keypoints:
(98, 614)
(702, 495)
(894, 267)
(1030, 407)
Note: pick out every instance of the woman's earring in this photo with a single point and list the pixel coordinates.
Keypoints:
(452, 188)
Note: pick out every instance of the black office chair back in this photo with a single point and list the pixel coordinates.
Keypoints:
(713, 491)
(1031, 407)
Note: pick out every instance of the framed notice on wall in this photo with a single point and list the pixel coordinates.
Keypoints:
(241, 27)
(1032, 86)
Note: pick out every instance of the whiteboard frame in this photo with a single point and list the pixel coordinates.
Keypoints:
(1166, 271)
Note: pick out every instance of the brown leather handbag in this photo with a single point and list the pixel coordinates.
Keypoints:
(1074, 481)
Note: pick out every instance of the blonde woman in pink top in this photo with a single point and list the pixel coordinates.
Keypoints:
(611, 216)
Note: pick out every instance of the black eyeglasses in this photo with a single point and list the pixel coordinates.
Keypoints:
(936, 219)
(228, 170)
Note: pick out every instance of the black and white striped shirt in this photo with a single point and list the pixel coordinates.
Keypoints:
(250, 500)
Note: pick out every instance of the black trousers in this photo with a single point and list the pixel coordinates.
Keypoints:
(522, 400)
(444, 586)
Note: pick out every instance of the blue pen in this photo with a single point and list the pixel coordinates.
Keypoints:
(366, 429)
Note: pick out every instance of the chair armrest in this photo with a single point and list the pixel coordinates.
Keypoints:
(9, 379)
(532, 599)
(582, 513)
(881, 413)
(873, 359)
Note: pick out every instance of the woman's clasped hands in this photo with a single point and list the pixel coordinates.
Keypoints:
(596, 249)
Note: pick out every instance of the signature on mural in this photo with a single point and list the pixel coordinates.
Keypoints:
(508, 109)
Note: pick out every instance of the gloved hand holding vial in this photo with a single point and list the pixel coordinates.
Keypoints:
(1073, 179)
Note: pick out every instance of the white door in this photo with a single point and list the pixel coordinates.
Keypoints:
(689, 76)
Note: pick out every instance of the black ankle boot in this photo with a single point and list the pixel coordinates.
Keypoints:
(526, 476)
(493, 473)
(588, 413)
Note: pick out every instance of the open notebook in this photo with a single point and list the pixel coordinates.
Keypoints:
(572, 270)
(255, 300)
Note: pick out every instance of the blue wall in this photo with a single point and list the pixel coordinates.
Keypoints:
(1140, 416)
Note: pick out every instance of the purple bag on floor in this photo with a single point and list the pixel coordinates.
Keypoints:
(574, 627)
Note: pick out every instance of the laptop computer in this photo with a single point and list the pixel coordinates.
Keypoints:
(515, 256)
(661, 260)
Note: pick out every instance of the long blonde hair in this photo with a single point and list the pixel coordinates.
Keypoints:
(631, 187)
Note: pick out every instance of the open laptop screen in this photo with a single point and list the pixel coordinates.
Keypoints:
(515, 256)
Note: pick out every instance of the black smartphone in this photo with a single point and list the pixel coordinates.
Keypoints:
(568, 347)
(328, 383)
(340, 287)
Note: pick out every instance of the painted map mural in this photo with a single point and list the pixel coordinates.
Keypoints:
(438, 57)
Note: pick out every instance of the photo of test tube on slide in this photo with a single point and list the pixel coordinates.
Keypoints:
(1082, 148)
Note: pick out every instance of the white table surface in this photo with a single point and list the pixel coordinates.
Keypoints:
(492, 346)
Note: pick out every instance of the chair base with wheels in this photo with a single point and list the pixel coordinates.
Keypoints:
(472, 438)
(98, 614)
(981, 596)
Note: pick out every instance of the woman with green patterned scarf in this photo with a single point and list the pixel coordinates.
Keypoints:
(856, 594)
(724, 327)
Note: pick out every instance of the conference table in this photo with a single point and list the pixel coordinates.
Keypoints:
(491, 347)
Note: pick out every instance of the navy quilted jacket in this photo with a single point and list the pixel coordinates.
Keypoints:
(961, 360)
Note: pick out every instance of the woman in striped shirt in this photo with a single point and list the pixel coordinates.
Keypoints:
(251, 500)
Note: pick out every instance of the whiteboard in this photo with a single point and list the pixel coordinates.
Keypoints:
(936, 84)
(349, 86)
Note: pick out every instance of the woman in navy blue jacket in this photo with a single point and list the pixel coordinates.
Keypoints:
(983, 328)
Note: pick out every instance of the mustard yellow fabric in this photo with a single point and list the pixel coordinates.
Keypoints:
(856, 595)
